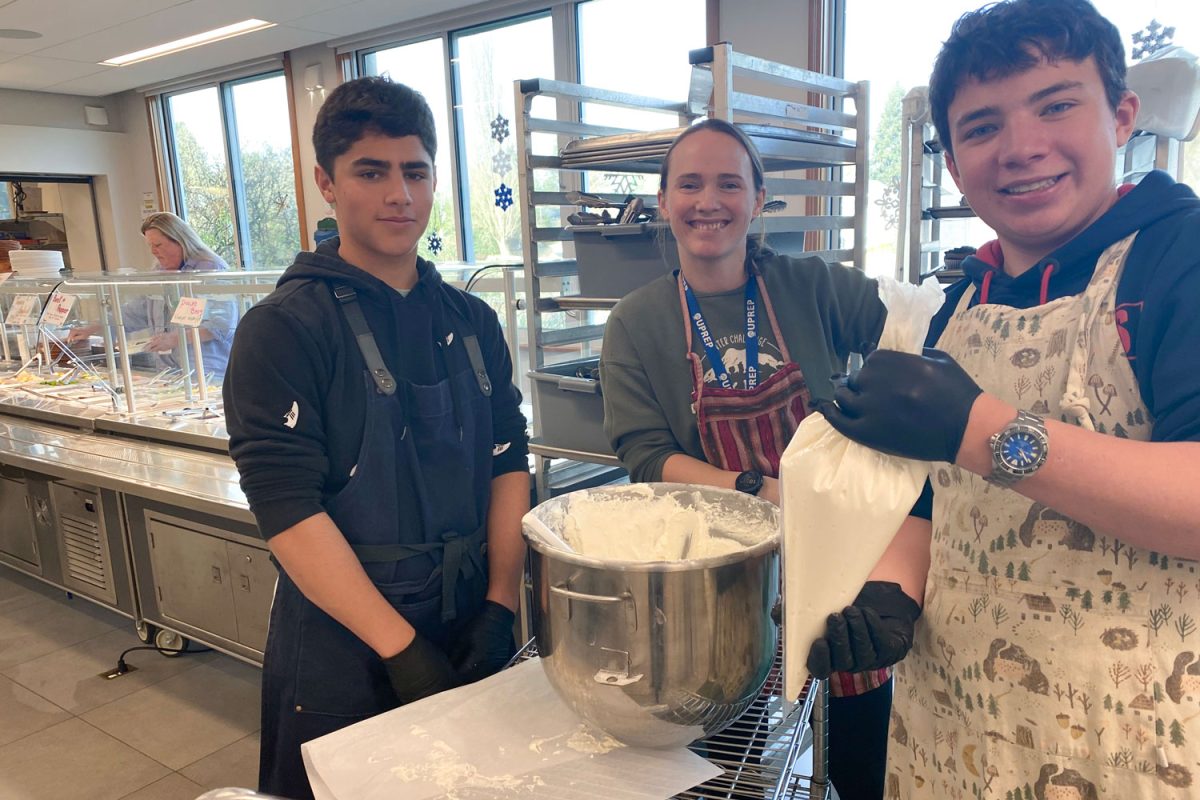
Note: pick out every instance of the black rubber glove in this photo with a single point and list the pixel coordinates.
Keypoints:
(906, 405)
(875, 632)
(485, 644)
(420, 670)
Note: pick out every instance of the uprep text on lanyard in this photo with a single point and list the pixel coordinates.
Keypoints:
(710, 347)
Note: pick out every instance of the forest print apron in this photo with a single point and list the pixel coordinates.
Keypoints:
(1051, 662)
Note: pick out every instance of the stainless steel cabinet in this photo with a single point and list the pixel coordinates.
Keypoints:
(191, 578)
(85, 543)
(17, 541)
(253, 589)
(207, 578)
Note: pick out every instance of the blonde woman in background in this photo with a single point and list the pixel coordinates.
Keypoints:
(176, 247)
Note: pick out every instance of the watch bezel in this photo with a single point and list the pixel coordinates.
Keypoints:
(1005, 473)
(749, 481)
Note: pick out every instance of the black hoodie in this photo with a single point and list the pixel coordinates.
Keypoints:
(1158, 296)
(294, 392)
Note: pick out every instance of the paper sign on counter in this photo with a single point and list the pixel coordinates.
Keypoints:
(190, 312)
(23, 311)
(58, 309)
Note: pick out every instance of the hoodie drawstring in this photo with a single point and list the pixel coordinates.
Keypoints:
(985, 286)
(1045, 292)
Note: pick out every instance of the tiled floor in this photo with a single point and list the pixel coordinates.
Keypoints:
(171, 730)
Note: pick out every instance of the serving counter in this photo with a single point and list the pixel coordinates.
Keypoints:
(115, 479)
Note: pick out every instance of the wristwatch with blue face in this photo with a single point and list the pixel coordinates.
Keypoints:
(1018, 449)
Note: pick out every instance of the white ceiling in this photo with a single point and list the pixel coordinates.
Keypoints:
(77, 34)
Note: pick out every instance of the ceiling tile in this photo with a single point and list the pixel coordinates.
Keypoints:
(80, 33)
(287, 10)
(61, 21)
(369, 14)
(146, 31)
(110, 80)
(36, 73)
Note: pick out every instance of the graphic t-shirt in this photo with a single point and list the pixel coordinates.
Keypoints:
(725, 315)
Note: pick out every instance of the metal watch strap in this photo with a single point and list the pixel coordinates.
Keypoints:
(1000, 476)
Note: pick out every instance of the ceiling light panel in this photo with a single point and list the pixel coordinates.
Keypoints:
(188, 42)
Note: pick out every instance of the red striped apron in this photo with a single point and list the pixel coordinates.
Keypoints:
(743, 429)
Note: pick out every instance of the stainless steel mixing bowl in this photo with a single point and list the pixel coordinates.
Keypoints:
(658, 654)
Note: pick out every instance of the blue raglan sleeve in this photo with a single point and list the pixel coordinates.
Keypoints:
(1161, 328)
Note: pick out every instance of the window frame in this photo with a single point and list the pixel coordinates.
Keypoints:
(171, 188)
(564, 21)
(565, 52)
(357, 63)
(834, 14)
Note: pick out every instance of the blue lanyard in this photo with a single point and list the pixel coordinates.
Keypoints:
(710, 347)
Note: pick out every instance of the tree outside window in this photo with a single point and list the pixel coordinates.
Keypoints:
(894, 48)
(234, 175)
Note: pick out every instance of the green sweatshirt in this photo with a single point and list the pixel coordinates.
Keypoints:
(824, 313)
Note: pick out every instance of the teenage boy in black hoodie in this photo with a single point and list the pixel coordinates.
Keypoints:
(1062, 414)
(377, 430)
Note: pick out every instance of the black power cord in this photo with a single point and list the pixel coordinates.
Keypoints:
(123, 668)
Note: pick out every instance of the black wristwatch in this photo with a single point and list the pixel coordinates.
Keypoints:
(750, 481)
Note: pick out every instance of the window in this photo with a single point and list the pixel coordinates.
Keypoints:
(486, 62)
(662, 38)
(264, 174)
(202, 169)
(419, 66)
(6, 208)
(483, 63)
(625, 45)
(893, 48)
(231, 159)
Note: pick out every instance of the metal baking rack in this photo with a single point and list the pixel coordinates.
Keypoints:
(758, 754)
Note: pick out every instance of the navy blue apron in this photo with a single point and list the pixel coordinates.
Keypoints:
(415, 513)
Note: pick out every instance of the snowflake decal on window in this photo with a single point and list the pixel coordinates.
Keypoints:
(501, 162)
(503, 197)
(435, 243)
(889, 204)
(500, 128)
(622, 183)
(1152, 38)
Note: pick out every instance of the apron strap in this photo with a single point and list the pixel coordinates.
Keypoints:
(460, 555)
(384, 382)
(766, 299)
(475, 354)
